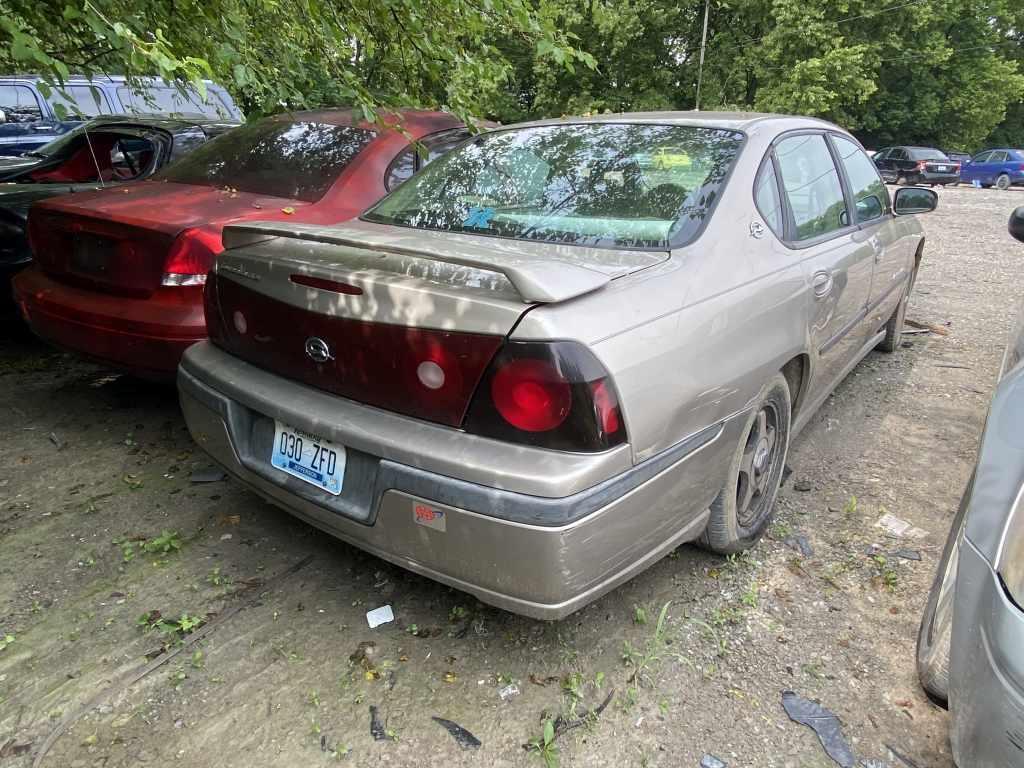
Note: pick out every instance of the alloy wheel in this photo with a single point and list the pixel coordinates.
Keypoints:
(760, 455)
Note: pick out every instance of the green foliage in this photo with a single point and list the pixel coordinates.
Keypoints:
(173, 630)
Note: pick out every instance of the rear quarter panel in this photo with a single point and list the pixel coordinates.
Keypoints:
(693, 340)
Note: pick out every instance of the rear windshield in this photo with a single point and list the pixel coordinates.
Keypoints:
(273, 157)
(605, 184)
(927, 154)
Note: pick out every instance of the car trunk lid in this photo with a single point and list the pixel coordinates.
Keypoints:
(405, 320)
(118, 239)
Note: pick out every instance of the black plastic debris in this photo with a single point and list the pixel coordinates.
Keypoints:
(901, 757)
(907, 554)
(377, 729)
(799, 543)
(803, 486)
(208, 475)
(824, 723)
(710, 761)
(462, 737)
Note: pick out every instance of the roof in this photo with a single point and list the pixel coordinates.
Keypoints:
(109, 79)
(419, 122)
(738, 121)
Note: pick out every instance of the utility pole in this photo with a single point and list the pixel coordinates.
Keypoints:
(703, 44)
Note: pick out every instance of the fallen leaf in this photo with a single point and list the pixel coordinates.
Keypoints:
(288, 209)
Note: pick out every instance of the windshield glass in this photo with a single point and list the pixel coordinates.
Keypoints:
(273, 157)
(927, 154)
(602, 184)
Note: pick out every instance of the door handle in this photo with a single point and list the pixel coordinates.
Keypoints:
(822, 284)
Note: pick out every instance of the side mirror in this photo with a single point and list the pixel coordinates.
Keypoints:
(1017, 223)
(910, 200)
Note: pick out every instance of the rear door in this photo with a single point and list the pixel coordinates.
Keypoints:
(839, 258)
(972, 170)
(996, 165)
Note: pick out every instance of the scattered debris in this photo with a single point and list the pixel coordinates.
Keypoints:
(799, 543)
(363, 653)
(786, 472)
(802, 485)
(907, 554)
(937, 329)
(901, 757)
(462, 737)
(377, 729)
(509, 691)
(710, 761)
(562, 724)
(57, 441)
(898, 527)
(208, 475)
(378, 616)
(824, 723)
(542, 681)
(953, 365)
(10, 748)
(873, 763)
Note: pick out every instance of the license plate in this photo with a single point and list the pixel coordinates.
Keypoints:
(308, 457)
(92, 254)
(942, 168)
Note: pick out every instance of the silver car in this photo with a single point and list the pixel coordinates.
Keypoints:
(544, 362)
(970, 649)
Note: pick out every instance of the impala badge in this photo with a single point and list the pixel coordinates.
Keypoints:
(318, 350)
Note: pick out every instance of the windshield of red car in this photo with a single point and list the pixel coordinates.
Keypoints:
(297, 160)
(625, 185)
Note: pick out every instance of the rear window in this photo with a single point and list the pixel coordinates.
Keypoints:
(604, 184)
(272, 157)
(927, 154)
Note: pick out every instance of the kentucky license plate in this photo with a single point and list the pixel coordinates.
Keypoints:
(308, 457)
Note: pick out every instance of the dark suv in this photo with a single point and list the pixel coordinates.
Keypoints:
(916, 165)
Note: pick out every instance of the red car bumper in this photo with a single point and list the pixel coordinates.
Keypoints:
(145, 337)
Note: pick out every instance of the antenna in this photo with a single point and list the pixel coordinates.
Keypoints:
(95, 162)
(703, 45)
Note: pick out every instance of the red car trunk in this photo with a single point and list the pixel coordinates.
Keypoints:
(122, 240)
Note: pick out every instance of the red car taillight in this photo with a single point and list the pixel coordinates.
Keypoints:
(549, 394)
(191, 257)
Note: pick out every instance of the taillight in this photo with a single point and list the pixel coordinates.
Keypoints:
(191, 256)
(549, 394)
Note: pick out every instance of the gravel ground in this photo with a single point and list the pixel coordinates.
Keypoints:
(101, 527)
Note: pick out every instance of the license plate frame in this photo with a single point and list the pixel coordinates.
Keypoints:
(309, 457)
(92, 255)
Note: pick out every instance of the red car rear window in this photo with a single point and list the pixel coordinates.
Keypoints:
(298, 160)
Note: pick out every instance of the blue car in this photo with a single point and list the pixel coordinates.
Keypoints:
(1000, 168)
(28, 119)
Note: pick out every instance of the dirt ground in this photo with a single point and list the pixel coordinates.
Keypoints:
(101, 526)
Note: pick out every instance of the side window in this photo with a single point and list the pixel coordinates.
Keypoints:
(766, 196)
(898, 154)
(812, 186)
(82, 101)
(998, 157)
(881, 155)
(981, 157)
(409, 161)
(19, 104)
(866, 184)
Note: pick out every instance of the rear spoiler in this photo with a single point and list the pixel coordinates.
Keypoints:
(536, 282)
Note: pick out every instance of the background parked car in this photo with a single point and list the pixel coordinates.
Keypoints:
(119, 272)
(958, 156)
(969, 648)
(916, 165)
(479, 379)
(1001, 168)
(31, 120)
(111, 150)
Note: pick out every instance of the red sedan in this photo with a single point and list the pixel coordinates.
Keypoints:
(119, 272)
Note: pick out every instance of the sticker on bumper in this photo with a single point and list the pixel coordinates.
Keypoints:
(428, 516)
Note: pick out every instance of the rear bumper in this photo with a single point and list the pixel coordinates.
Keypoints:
(926, 177)
(145, 337)
(986, 668)
(538, 556)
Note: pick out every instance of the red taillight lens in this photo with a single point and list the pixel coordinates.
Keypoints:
(531, 395)
(191, 257)
(549, 394)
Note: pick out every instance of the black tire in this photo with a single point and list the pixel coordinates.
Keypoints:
(1003, 182)
(894, 326)
(742, 511)
(936, 631)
